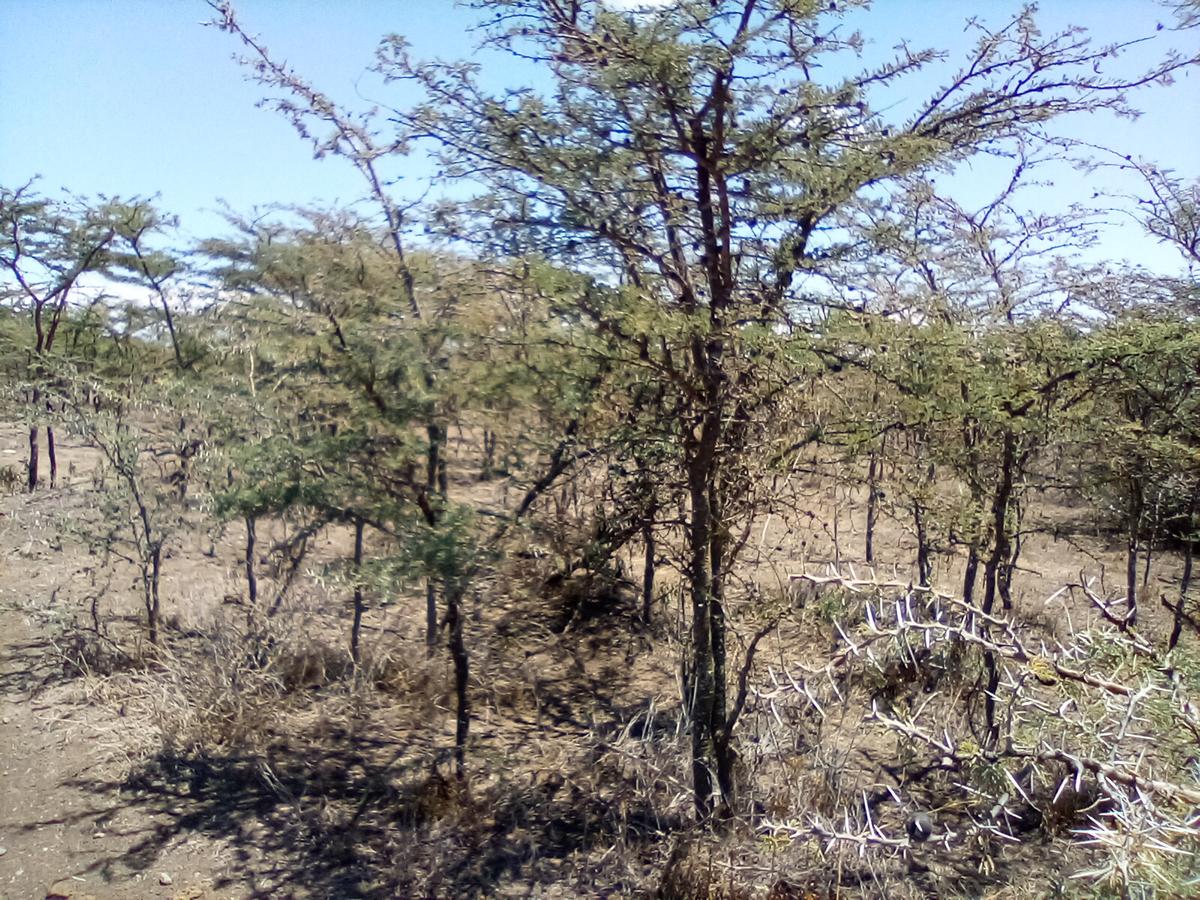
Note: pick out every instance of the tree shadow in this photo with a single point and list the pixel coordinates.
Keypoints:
(30, 667)
(342, 819)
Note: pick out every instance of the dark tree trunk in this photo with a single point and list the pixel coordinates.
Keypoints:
(52, 455)
(437, 480)
(33, 458)
(1133, 527)
(458, 653)
(437, 485)
(359, 605)
(703, 681)
(1185, 582)
(1001, 540)
(1004, 577)
(648, 569)
(873, 467)
(251, 576)
(991, 668)
(431, 616)
(972, 572)
(152, 596)
(719, 724)
(488, 468)
(35, 402)
(924, 561)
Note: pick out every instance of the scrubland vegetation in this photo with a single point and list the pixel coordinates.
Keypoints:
(688, 496)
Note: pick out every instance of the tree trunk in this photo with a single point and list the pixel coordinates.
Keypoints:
(924, 563)
(723, 752)
(648, 569)
(359, 606)
(1133, 526)
(458, 653)
(1004, 577)
(1001, 542)
(991, 669)
(34, 403)
(251, 576)
(972, 571)
(703, 683)
(33, 458)
(431, 617)
(52, 455)
(152, 596)
(437, 480)
(488, 468)
(1185, 583)
(873, 466)
(437, 485)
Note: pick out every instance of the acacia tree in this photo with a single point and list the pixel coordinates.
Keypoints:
(46, 248)
(962, 316)
(145, 436)
(688, 158)
(334, 377)
(326, 309)
(1140, 454)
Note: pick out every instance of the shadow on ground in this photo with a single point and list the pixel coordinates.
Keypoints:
(29, 666)
(341, 820)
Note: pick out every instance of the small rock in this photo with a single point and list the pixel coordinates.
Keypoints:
(3, 850)
(63, 889)
(920, 826)
(164, 878)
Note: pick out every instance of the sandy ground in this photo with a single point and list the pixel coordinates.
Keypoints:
(65, 832)
(71, 823)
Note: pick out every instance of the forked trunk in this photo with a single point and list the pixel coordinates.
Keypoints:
(1001, 551)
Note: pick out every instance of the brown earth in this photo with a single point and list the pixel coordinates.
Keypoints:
(344, 779)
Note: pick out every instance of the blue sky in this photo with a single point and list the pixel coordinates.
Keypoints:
(139, 97)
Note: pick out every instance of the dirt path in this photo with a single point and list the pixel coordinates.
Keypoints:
(66, 827)
(60, 836)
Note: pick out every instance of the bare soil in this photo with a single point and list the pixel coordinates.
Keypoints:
(340, 790)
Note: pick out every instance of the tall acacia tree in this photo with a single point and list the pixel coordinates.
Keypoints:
(688, 157)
